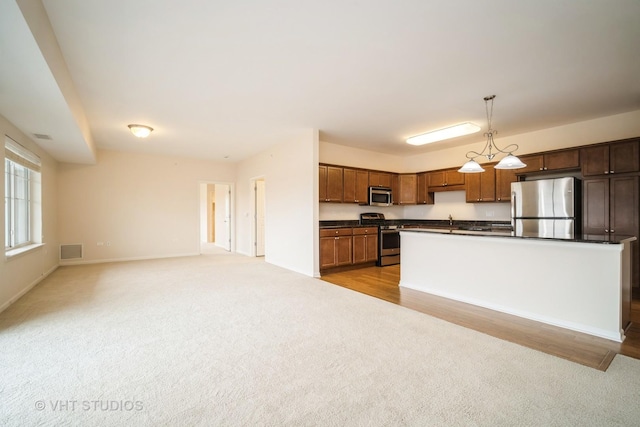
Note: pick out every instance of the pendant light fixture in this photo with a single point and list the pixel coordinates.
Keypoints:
(141, 131)
(508, 162)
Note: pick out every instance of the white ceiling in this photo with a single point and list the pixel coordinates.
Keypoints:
(224, 78)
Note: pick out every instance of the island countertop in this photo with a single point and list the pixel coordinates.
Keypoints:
(584, 238)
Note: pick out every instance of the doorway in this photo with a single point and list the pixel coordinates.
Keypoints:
(215, 217)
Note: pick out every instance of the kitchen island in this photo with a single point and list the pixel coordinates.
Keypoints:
(580, 284)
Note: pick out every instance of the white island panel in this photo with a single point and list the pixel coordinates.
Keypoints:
(575, 285)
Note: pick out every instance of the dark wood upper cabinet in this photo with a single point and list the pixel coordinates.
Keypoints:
(408, 189)
(380, 179)
(565, 159)
(424, 196)
(356, 186)
(446, 180)
(331, 183)
(504, 178)
(614, 158)
(551, 161)
(481, 187)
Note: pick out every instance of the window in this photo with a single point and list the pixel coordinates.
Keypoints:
(22, 211)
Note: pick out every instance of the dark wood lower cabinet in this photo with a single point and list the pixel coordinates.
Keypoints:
(341, 247)
(365, 248)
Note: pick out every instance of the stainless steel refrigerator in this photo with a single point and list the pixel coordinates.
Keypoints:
(546, 208)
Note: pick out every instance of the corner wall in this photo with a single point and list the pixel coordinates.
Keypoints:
(290, 171)
(22, 272)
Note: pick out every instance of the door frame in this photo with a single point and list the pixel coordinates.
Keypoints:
(232, 225)
(254, 215)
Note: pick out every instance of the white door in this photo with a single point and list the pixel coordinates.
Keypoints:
(260, 208)
(223, 216)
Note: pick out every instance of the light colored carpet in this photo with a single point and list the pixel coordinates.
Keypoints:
(232, 341)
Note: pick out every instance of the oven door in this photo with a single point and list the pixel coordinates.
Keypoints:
(389, 242)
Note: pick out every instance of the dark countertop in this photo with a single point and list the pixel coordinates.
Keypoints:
(422, 223)
(583, 238)
(469, 228)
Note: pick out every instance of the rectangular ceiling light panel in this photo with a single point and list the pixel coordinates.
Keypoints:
(446, 133)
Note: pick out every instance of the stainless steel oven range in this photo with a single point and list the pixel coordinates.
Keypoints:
(388, 238)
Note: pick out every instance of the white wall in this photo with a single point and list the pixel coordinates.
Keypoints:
(290, 171)
(358, 158)
(20, 273)
(138, 205)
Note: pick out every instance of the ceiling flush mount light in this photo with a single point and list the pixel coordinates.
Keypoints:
(508, 162)
(141, 131)
(446, 133)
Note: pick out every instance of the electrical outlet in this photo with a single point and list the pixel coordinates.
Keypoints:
(108, 243)
(100, 243)
(490, 214)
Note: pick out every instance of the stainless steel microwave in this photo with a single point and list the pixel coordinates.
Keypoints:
(380, 196)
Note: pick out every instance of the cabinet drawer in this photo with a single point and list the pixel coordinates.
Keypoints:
(365, 230)
(329, 232)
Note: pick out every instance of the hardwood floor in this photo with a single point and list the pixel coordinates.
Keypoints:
(382, 282)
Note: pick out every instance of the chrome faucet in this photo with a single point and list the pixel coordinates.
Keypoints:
(450, 220)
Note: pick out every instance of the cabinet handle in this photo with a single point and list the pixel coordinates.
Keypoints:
(541, 169)
(606, 172)
(545, 168)
(613, 231)
(606, 231)
(612, 172)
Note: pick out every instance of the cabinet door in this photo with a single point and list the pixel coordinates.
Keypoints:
(534, 164)
(380, 179)
(504, 178)
(595, 160)
(408, 189)
(372, 247)
(437, 179)
(453, 177)
(395, 188)
(488, 184)
(424, 196)
(327, 252)
(344, 245)
(360, 249)
(322, 180)
(595, 206)
(334, 184)
(356, 184)
(481, 187)
(623, 205)
(349, 185)
(566, 159)
(362, 186)
(472, 187)
(624, 157)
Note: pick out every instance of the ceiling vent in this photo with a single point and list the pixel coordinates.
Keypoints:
(43, 136)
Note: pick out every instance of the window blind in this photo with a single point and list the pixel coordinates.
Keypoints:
(20, 155)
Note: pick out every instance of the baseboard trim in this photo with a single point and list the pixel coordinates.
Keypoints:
(20, 294)
(125, 259)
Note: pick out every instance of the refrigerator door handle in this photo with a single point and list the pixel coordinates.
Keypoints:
(513, 211)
